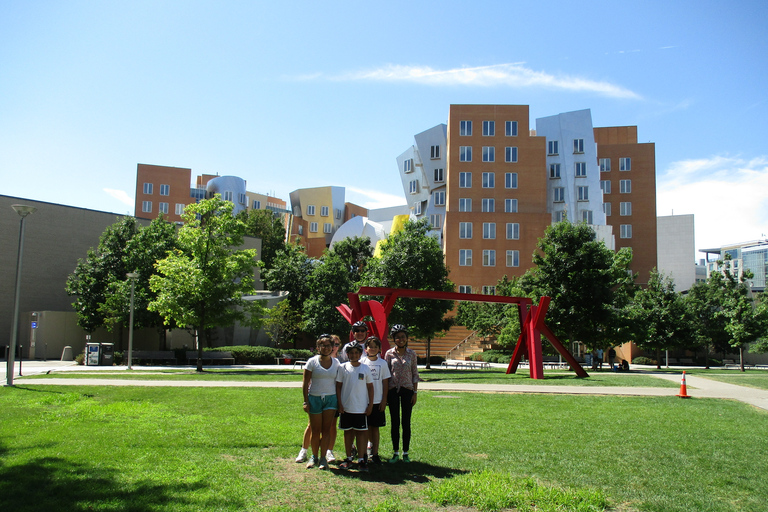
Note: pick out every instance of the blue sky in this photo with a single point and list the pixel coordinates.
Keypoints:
(304, 94)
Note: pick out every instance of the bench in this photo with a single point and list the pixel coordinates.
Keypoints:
(211, 357)
(465, 364)
(150, 356)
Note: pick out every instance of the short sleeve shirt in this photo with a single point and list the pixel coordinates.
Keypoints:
(379, 372)
(323, 380)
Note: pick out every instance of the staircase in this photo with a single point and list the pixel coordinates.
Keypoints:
(458, 343)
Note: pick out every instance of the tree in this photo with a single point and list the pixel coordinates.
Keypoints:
(761, 316)
(203, 282)
(269, 227)
(589, 284)
(661, 318)
(283, 323)
(290, 272)
(411, 258)
(336, 274)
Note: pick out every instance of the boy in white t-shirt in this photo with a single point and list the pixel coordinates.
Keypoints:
(380, 374)
(354, 389)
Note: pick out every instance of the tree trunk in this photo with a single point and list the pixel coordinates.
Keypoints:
(200, 332)
(658, 358)
(741, 358)
(429, 342)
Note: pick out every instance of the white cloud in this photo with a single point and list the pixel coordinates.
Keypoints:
(505, 75)
(728, 197)
(372, 199)
(120, 195)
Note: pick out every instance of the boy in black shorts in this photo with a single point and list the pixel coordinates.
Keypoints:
(354, 390)
(380, 375)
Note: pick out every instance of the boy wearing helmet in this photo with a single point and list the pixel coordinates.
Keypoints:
(359, 333)
(354, 389)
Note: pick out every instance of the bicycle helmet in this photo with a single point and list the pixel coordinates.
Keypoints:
(396, 329)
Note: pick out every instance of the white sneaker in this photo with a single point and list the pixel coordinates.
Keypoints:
(302, 456)
(329, 456)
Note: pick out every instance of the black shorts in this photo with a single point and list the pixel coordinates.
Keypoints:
(351, 421)
(377, 417)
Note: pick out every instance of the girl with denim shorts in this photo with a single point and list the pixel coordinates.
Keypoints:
(319, 388)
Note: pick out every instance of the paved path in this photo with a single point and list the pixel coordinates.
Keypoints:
(698, 387)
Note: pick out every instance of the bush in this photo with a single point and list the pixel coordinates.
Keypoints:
(433, 360)
(493, 356)
(644, 360)
(246, 354)
(118, 358)
(80, 358)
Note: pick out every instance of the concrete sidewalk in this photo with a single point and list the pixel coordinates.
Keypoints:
(698, 387)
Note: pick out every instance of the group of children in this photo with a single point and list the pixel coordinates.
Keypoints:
(354, 384)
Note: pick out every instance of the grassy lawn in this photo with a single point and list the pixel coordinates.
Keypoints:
(752, 378)
(232, 449)
(491, 376)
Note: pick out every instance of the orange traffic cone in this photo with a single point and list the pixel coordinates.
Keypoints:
(683, 388)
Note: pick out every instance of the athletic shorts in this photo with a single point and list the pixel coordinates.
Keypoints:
(318, 404)
(377, 418)
(351, 421)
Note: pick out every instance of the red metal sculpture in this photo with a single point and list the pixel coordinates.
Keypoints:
(531, 321)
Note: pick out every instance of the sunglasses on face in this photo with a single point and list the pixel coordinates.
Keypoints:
(360, 330)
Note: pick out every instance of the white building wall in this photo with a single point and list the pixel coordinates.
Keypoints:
(676, 252)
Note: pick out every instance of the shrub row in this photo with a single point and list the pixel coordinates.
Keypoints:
(493, 356)
(245, 354)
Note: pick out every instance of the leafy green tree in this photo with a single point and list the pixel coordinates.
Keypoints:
(290, 271)
(411, 258)
(589, 284)
(661, 319)
(336, 274)
(492, 319)
(267, 226)
(761, 318)
(283, 324)
(203, 282)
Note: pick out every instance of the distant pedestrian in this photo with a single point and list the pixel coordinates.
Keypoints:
(611, 357)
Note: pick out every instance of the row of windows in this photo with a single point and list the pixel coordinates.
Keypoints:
(487, 290)
(489, 154)
(146, 207)
(580, 170)
(488, 205)
(489, 230)
(327, 228)
(488, 180)
(489, 128)
(165, 190)
(625, 186)
(324, 211)
(625, 164)
(625, 209)
(489, 260)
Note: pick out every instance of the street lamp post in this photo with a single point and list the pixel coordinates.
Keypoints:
(132, 276)
(23, 211)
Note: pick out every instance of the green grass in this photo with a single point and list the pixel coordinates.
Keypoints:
(231, 449)
(751, 378)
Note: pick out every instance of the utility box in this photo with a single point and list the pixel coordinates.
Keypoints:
(92, 354)
(107, 354)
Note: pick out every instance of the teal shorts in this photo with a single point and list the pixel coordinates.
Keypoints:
(318, 404)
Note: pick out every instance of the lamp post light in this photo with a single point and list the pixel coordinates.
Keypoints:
(23, 211)
(132, 276)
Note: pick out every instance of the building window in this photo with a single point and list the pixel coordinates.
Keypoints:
(413, 187)
(323, 211)
(510, 180)
(465, 288)
(586, 216)
(625, 209)
(583, 193)
(489, 180)
(180, 208)
(338, 213)
(165, 190)
(510, 128)
(439, 198)
(465, 180)
(489, 205)
(552, 147)
(327, 227)
(408, 165)
(559, 194)
(465, 230)
(489, 128)
(465, 204)
(439, 176)
(489, 154)
(510, 205)
(513, 258)
(465, 153)
(489, 230)
(625, 186)
(489, 290)
(605, 165)
(607, 209)
(310, 209)
(560, 216)
(465, 128)
(148, 188)
(417, 208)
(510, 154)
(434, 152)
(146, 206)
(242, 199)
(301, 229)
(626, 231)
(578, 145)
(554, 171)
(581, 169)
(625, 164)
(465, 257)
(489, 258)
(256, 205)
(513, 231)
(313, 227)
(228, 195)
(436, 220)
(605, 186)
(162, 208)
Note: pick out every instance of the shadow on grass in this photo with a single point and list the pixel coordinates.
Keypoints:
(400, 473)
(52, 483)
